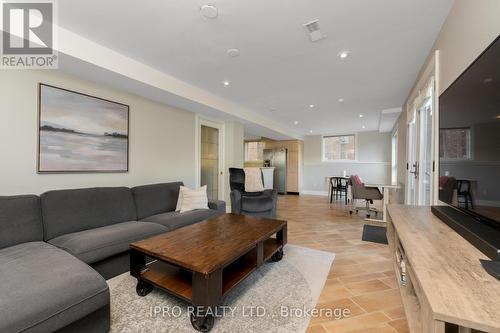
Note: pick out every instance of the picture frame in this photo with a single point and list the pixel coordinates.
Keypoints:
(81, 133)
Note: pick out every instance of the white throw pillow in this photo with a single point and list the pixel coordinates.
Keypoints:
(253, 180)
(179, 200)
(191, 199)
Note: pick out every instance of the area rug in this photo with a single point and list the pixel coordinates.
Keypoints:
(375, 234)
(274, 298)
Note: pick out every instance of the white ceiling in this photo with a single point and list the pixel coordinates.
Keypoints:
(279, 72)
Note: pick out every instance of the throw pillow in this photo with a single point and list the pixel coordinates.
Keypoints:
(253, 180)
(193, 199)
(179, 200)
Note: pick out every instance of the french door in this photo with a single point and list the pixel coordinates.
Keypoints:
(420, 149)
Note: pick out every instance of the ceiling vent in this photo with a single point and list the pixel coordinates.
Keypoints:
(314, 31)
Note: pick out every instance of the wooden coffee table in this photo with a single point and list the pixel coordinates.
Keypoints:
(202, 262)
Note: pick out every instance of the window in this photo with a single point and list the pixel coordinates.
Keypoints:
(339, 147)
(254, 151)
(394, 162)
(454, 143)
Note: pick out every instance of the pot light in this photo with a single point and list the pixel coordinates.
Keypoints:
(310, 131)
(295, 122)
(343, 54)
(226, 83)
(361, 116)
(340, 100)
(233, 53)
(363, 126)
(209, 11)
(311, 105)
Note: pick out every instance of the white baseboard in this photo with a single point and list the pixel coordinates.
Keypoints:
(321, 193)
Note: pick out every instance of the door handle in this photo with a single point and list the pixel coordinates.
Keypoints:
(415, 170)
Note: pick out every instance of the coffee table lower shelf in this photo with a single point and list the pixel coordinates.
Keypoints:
(203, 291)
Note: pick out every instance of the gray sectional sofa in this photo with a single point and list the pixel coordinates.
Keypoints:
(56, 251)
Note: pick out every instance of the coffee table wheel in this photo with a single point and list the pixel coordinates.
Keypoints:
(277, 256)
(143, 288)
(202, 323)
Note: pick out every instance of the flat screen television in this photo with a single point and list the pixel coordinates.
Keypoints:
(469, 140)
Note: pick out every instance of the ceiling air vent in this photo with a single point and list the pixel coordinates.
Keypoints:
(313, 30)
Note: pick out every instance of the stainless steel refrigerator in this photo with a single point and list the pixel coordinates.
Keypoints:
(277, 158)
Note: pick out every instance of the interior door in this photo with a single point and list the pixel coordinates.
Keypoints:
(210, 160)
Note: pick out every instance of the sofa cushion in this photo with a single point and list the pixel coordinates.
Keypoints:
(20, 220)
(44, 288)
(174, 220)
(68, 211)
(156, 198)
(257, 204)
(97, 244)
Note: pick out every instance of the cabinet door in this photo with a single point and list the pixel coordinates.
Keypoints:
(292, 172)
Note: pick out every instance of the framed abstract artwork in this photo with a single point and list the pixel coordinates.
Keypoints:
(80, 133)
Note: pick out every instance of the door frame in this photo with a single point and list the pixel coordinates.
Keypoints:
(202, 121)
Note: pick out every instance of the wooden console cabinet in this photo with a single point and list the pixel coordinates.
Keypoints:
(446, 289)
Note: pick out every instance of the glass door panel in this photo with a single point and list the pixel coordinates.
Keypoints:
(412, 163)
(210, 161)
(425, 153)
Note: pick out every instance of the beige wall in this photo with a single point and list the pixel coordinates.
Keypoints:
(373, 162)
(161, 137)
(234, 152)
(469, 28)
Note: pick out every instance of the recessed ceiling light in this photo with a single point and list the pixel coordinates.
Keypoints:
(233, 53)
(226, 83)
(341, 100)
(310, 131)
(498, 117)
(363, 126)
(361, 116)
(209, 11)
(311, 105)
(344, 54)
(295, 122)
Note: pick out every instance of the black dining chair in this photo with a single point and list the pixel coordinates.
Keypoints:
(338, 188)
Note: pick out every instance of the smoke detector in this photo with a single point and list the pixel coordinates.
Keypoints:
(314, 31)
(209, 11)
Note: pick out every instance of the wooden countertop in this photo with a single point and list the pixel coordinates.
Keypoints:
(448, 270)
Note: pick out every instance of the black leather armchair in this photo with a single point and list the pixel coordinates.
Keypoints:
(260, 204)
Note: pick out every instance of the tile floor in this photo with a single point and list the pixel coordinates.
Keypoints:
(362, 278)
